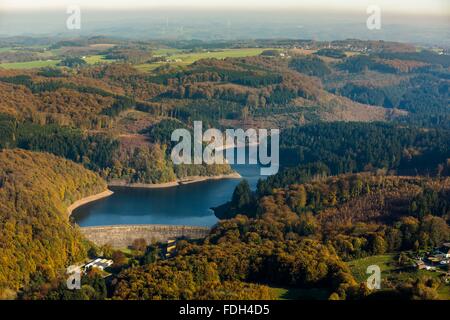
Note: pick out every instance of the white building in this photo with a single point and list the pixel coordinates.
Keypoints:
(98, 263)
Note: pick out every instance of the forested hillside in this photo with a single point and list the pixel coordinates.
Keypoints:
(225, 266)
(127, 158)
(359, 216)
(37, 240)
(417, 82)
(105, 110)
(355, 147)
(330, 149)
(302, 237)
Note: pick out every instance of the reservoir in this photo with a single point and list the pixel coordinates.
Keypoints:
(187, 205)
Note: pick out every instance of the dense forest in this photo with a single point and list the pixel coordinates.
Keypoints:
(330, 149)
(130, 160)
(357, 215)
(417, 82)
(344, 147)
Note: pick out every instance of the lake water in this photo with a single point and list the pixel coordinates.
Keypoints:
(182, 205)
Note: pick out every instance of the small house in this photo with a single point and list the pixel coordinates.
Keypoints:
(98, 263)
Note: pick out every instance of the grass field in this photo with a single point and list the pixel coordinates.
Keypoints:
(96, 59)
(166, 51)
(390, 272)
(49, 63)
(299, 294)
(30, 64)
(359, 266)
(189, 58)
(176, 57)
(6, 49)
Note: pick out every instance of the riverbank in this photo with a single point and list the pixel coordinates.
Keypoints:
(179, 182)
(86, 200)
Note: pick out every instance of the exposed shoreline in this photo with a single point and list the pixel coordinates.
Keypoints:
(87, 200)
(187, 180)
(234, 146)
(179, 182)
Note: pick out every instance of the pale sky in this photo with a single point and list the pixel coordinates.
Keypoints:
(427, 7)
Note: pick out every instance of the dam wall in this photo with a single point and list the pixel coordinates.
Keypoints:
(123, 236)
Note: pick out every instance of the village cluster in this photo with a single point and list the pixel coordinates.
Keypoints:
(436, 259)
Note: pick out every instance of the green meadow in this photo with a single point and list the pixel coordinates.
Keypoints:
(175, 56)
(96, 59)
(50, 63)
(179, 58)
(30, 64)
(299, 294)
(391, 273)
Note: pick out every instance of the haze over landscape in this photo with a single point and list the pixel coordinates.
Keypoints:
(408, 21)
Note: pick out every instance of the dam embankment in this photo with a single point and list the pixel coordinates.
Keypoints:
(122, 236)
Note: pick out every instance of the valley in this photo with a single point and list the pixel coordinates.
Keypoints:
(364, 175)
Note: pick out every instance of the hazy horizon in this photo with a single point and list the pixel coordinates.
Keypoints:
(230, 23)
(435, 7)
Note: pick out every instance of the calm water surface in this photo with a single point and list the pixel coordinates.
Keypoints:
(182, 205)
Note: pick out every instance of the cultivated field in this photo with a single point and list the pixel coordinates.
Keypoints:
(172, 56)
(179, 58)
(30, 64)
